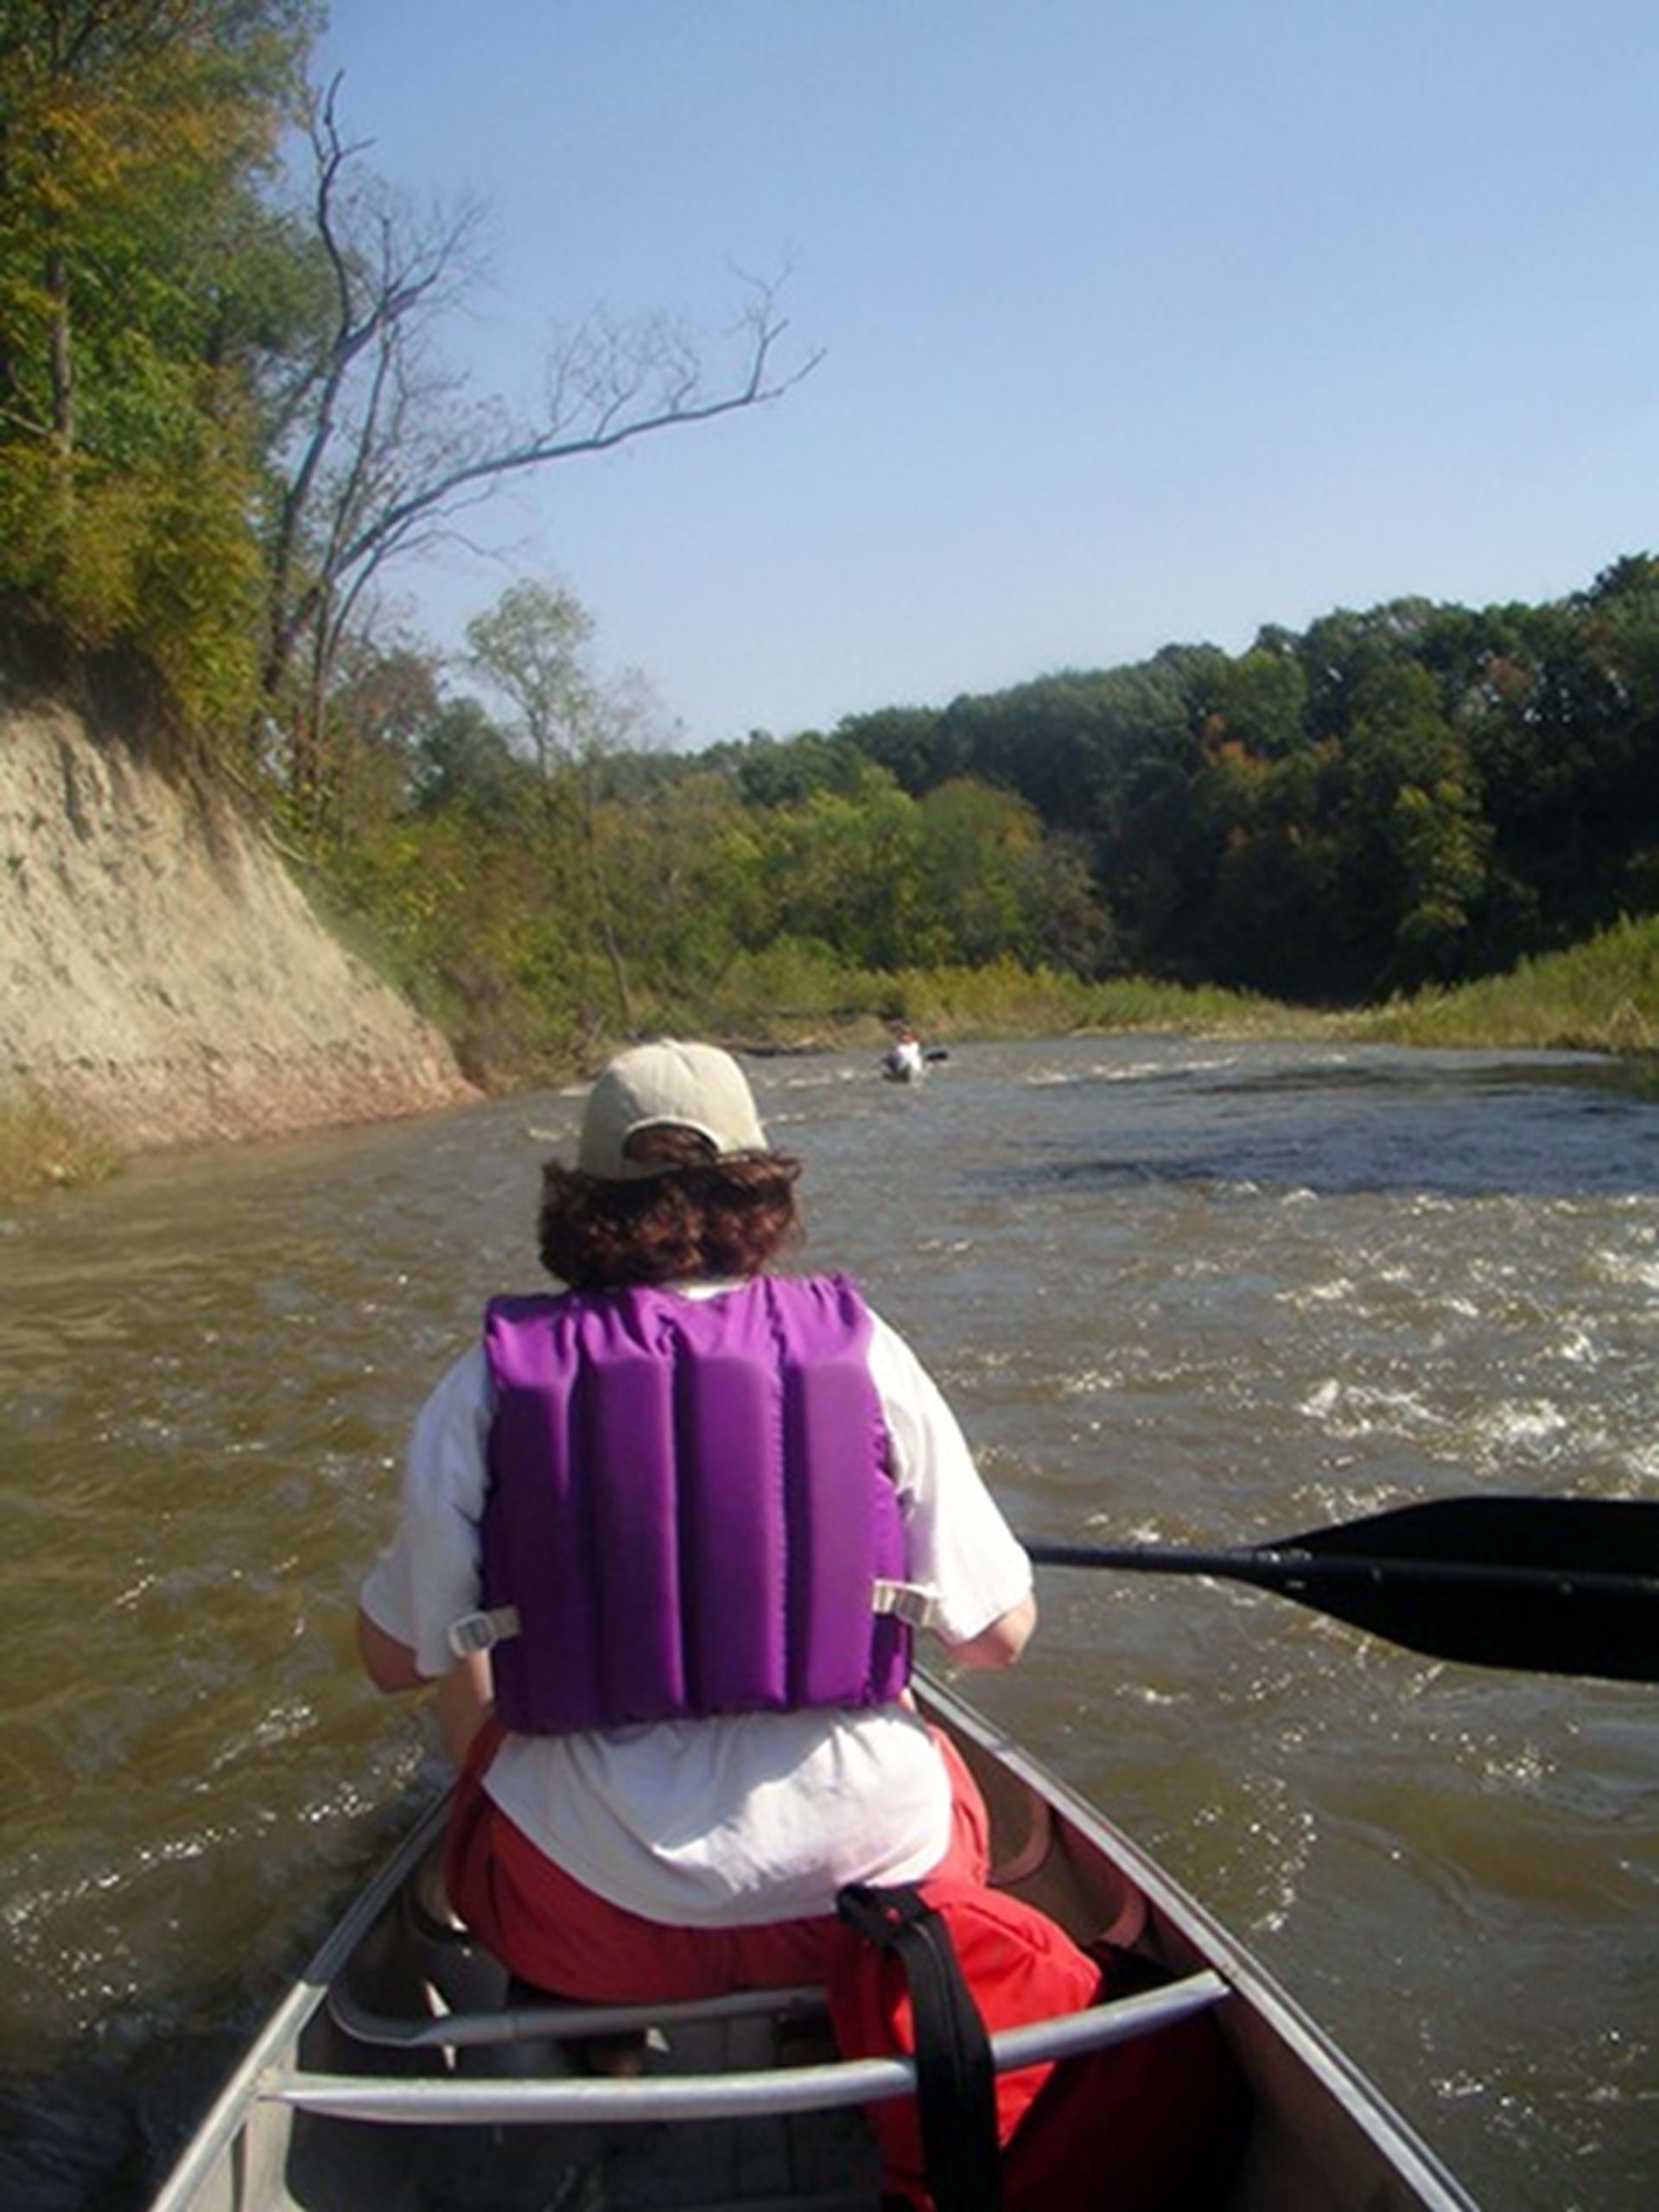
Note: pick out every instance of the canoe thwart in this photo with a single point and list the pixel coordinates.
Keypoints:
(722, 2096)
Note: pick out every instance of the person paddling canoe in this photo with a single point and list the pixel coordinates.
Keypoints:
(686, 1755)
(903, 1060)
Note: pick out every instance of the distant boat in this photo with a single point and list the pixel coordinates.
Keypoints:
(905, 1061)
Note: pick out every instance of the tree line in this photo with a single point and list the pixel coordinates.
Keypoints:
(226, 418)
(545, 872)
(1419, 793)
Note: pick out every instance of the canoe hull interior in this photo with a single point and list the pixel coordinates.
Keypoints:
(1321, 2139)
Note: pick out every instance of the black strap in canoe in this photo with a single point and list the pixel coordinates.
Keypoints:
(955, 2077)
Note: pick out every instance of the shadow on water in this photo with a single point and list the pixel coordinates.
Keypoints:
(99, 2133)
(1569, 1126)
(100, 2124)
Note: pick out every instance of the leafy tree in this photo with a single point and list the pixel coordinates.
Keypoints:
(775, 772)
(913, 744)
(530, 648)
(973, 863)
(992, 883)
(1416, 848)
(670, 841)
(1259, 701)
(1343, 649)
(840, 868)
(462, 763)
(134, 138)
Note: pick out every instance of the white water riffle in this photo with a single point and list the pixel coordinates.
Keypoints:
(1194, 1293)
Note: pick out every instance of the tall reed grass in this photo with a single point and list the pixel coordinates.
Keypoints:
(1599, 996)
(1602, 995)
(799, 993)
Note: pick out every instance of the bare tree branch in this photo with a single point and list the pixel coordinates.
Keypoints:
(380, 452)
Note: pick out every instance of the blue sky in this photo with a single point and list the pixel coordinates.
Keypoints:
(1142, 323)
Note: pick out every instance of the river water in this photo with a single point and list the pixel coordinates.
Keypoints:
(1196, 1292)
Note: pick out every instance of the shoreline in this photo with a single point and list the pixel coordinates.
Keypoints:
(47, 1146)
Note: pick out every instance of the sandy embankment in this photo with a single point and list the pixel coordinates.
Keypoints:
(162, 973)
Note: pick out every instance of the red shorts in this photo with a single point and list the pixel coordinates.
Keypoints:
(556, 1933)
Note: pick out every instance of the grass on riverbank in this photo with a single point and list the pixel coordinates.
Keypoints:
(795, 995)
(1602, 995)
(1599, 996)
(45, 1147)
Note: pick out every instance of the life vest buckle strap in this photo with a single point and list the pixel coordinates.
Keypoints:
(913, 1602)
(475, 1632)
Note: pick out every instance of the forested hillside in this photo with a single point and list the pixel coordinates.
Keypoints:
(226, 419)
(1412, 794)
(1416, 795)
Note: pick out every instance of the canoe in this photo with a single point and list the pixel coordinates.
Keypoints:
(401, 2071)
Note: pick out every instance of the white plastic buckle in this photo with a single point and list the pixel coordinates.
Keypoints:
(912, 1601)
(475, 1632)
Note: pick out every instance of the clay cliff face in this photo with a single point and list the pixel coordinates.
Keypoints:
(161, 972)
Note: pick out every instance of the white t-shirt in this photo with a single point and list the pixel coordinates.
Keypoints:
(744, 1819)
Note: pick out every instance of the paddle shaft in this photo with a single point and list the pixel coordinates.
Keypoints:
(1292, 1571)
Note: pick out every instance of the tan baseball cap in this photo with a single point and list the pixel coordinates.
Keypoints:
(667, 1085)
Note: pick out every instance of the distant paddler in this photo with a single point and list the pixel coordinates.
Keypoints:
(903, 1060)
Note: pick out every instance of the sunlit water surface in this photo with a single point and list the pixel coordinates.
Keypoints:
(1203, 1293)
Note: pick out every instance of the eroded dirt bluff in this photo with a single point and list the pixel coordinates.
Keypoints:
(160, 970)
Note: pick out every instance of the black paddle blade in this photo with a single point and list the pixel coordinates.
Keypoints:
(1562, 1585)
(1565, 1585)
(1566, 1535)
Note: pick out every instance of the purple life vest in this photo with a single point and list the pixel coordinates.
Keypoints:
(690, 1505)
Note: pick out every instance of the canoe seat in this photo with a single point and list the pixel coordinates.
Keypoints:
(557, 2020)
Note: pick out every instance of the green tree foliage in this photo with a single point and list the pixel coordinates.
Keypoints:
(530, 648)
(912, 743)
(134, 137)
(1259, 701)
(770, 771)
(1414, 849)
(838, 868)
(1380, 804)
(993, 884)
(1409, 794)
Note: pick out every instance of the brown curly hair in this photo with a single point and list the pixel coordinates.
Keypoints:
(700, 1217)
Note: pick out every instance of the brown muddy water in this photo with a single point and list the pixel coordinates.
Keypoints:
(1206, 1294)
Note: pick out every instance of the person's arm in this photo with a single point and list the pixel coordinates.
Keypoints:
(427, 1576)
(389, 1663)
(961, 1547)
(464, 1696)
(999, 1644)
